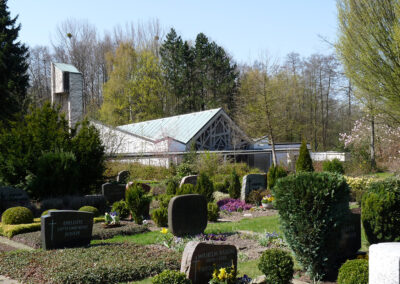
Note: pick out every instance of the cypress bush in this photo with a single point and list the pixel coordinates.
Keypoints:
(185, 189)
(121, 208)
(172, 186)
(380, 212)
(204, 186)
(334, 166)
(90, 209)
(212, 211)
(277, 265)
(138, 202)
(160, 216)
(274, 173)
(234, 185)
(353, 272)
(312, 209)
(304, 162)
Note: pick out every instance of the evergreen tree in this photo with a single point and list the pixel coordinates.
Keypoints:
(304, 162)
(13, 66)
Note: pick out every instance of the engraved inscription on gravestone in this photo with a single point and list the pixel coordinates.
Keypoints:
(113, 192)
(187, 214)
(252, 182)
(199, 260)
(66, 228)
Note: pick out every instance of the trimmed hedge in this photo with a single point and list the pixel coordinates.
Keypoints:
(312, 208)
(90, 209)
(353, 272)
(17, 215)
(334, 166)
(107, 263)
(47, 212)
(380, 212)
(277, 265)
(171, 277)
(11, 230)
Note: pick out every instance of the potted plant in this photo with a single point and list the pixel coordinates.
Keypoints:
(267, 202)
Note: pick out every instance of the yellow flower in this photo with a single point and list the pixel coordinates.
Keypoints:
(222, 274)
(164, 231)
(214, 274)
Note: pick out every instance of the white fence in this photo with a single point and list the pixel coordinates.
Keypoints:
(329, 156)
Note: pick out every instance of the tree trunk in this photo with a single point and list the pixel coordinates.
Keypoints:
(372, 144)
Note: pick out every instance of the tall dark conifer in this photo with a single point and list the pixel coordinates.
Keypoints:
(13, 66)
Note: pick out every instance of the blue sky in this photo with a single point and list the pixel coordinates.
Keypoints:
(244, 28)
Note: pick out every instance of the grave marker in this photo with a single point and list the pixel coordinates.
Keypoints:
(187, 214)
(252, 182)
(113, 192)
(189, 180)
(12, 197)
(384, 263)
(123, 176)
(66, 228)
(199, 260)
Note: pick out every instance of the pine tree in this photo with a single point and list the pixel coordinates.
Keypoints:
(13, 66)
(304, 162)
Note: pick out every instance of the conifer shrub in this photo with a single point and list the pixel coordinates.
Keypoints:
(380, 212)
(254, 197)
(121, 208)
(304, 162)
(312, 208)
(221, 187)
(353, 272)
(17, 215)
(171, 277)
(274, 173)
(90, 209)
(334, 166)
(160, 216)
(204, 186)
(234, 185)
(172, 186)
(212, 211)
(138, 202)
(277, 265)
(185, 189)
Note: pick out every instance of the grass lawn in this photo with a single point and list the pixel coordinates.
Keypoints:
(380, 175)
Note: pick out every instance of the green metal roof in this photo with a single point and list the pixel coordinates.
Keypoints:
(66, 67)
(181, 127)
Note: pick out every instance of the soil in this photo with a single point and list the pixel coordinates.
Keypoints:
(4, 248)
(237, 216)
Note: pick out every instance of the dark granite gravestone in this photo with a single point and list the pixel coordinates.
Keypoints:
(96, 200)
(123, 176)
(188, 179)
(113, 192)
(187, 214)
(349, 241)
(252, 182)
(66, 228)
(199, 260)
(12, 197)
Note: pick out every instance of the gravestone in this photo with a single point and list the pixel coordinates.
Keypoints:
(349, 241)
(123, 176)
(96, 200)
(12, 197)
(384, 263)
(187, 214)
(66, 228)
(113, 192)
(252, 182)
(189, 179)
(144, 186)
(199, 260)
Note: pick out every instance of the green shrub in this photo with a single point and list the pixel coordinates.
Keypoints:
(90, 209)
(353, 272)
(138, 202)
(221, 187)
(121, 208)
(76, 265)
(160, 216)
(310, 205)
(274, 173)
(185, 169)
(186, 189)
(254, 197)
(10, 231)
(17, 215)
(217, 196)
(164, 199)
(304, 162)
(277, 265)
(380, 212)
(204, 186)
(212, 211)
(47, 211)
(172, 186)
(171, 277)
(334, 166)
(234, 185)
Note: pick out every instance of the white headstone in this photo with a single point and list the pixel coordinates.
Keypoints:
(384, 263)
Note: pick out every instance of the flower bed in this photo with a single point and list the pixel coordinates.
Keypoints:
(110, 263)
(233, 205)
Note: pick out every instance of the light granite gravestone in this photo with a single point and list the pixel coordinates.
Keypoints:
(199, 260)
(113, 192)
(12, 197)
(252, 182)
(66, 228)
(189, 179)
(123, 176)
(384, 263)
(187, 214)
